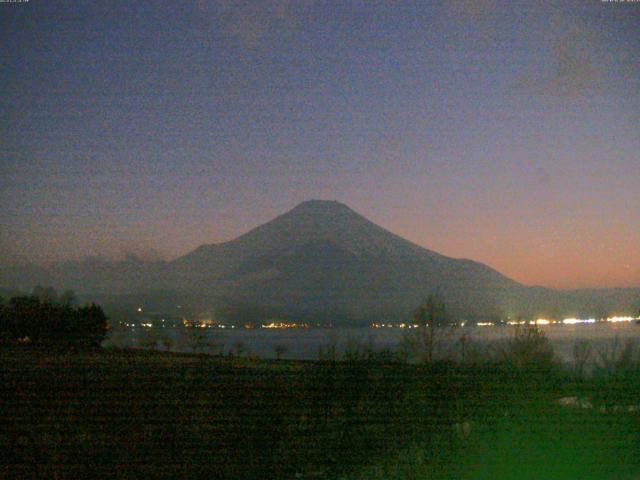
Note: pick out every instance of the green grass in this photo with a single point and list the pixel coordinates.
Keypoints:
(134, 414)
(556, 444)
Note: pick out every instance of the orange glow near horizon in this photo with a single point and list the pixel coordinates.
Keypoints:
(570, 257)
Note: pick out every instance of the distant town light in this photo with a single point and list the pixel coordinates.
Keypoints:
(574, 321)
(284, 325)
(620, 319)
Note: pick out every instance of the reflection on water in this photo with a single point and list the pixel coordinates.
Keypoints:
(304, 343)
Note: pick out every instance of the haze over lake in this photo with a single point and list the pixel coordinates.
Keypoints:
(304, 343)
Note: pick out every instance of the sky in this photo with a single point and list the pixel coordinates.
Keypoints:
(507, 132)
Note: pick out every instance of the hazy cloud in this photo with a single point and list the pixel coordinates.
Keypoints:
(571, 50)
(574, 63)
(253, 22)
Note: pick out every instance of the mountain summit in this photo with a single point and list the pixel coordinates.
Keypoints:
(312, 221)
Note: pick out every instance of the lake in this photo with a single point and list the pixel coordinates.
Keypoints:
(304, 343)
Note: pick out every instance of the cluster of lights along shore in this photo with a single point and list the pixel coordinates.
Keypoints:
(168, 321)
(209, 323)
(538, 321)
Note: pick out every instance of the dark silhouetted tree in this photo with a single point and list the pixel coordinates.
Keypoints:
(528, 346)
(42, 322)
(4, 321)
(433, 322)
(91, 325)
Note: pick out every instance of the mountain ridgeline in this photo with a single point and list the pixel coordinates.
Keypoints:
(319, 262)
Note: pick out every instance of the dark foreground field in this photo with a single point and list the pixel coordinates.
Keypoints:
(132, 414)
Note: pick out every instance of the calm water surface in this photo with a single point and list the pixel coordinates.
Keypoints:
(304, 343)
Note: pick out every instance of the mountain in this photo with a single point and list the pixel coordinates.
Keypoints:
(316, 224)
(324, 257)
(321, 261)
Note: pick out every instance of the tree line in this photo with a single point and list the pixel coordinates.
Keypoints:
(45, 318)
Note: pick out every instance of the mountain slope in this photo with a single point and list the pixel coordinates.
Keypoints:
(316, 221)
